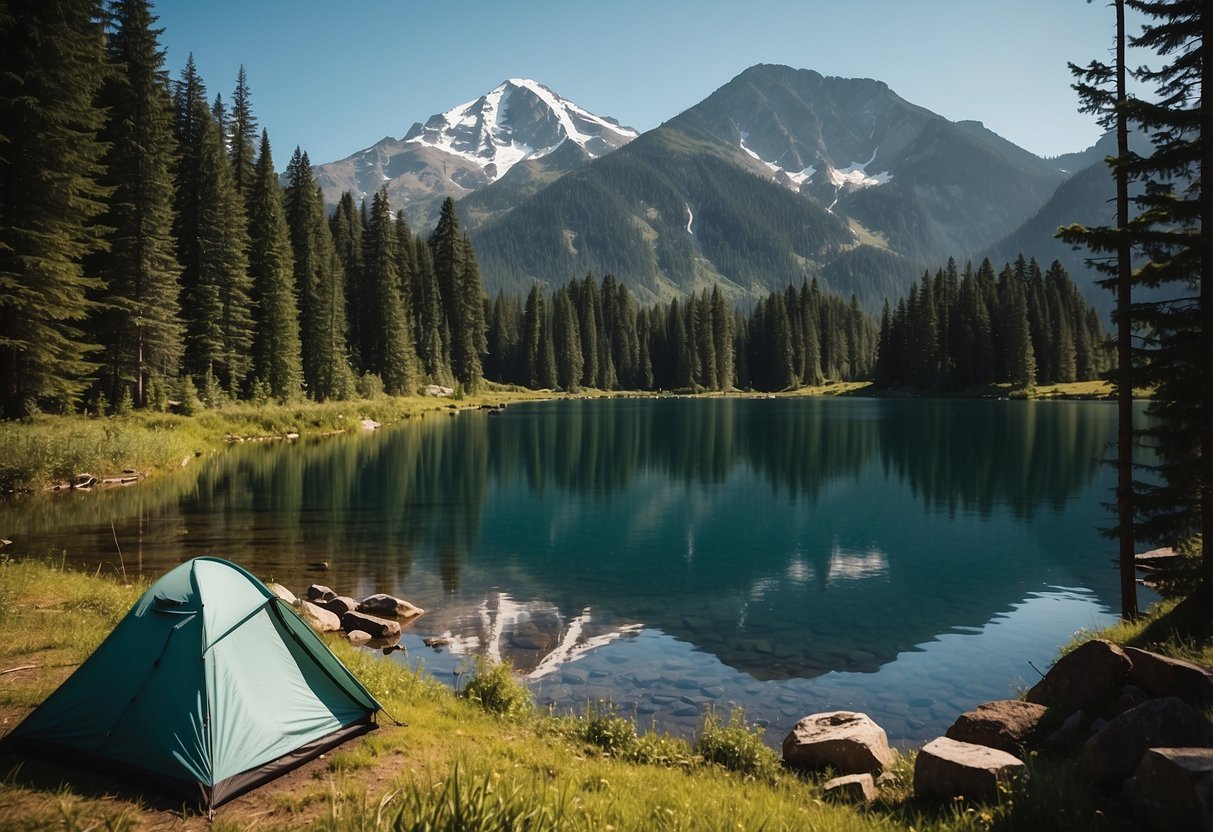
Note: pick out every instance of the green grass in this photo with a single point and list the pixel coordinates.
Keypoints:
(482, 758)
(48, 449)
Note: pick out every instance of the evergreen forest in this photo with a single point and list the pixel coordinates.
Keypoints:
(173, 264)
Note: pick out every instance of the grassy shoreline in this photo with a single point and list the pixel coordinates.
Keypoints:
(490, 755)
(51, 451)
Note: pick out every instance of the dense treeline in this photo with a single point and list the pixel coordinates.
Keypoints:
(173, 263)
(148, 248)
(959, 330)
(592, 334)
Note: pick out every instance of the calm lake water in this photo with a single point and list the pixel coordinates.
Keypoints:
(906, 558)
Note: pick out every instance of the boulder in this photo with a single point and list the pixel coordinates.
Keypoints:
(1130, 697)
(851, 788)
(283, 593)
(947, 769)
(1007, 725)
(319, 592)
(437, 390)
(319, 617)
(1069, 734)
(382, 604)
(341, 604)
(1111, 755)
(376, 627)
(358, 638)
(1164, 676)
(1085, 678)
(368, 424)
(848, 742)
(1172, 788)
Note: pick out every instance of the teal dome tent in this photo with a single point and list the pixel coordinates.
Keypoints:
(209, 687)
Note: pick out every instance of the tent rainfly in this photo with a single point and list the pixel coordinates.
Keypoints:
(209, 687)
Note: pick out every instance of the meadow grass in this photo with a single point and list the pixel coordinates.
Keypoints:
(48, 449)
(483, 757)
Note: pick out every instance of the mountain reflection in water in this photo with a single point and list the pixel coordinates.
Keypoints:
(785, 539)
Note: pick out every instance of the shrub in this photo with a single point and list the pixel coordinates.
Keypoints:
(494, 688)
(370, 386)
(736, 746)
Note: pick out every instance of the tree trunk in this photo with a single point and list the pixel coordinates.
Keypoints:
(1124, 344)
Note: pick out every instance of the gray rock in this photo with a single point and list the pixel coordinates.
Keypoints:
(376, 627)
(850, 743)
(320, 618)
(1172, 789)
(1069, 734)
(358, 638)
(319, 592)
(341, 604)
(283, 593)
(1164, 676)
(850, 788)
(368, 424)
(1111, 755)
(947, 768)
(1007, 725)
(1083, 679)
(1130, 697)
(383, 604)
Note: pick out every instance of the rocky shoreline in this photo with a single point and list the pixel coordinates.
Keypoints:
(1133, 721)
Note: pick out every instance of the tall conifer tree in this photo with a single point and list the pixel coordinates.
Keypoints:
(242, 135)
(139, 326)
(277, 360)
(393, 356)
(52, 61)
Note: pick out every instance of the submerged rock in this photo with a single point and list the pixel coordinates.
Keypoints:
(383, 604)
(376, 627)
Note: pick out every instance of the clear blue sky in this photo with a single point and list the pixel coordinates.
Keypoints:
(335, 77)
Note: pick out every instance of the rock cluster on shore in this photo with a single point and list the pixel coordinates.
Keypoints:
(375, 620)
(1133, 721)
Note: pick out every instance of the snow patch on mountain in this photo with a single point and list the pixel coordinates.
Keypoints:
(793, 179)
(518, 120)
(854, 175)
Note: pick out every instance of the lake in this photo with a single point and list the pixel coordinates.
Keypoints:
(908, 558)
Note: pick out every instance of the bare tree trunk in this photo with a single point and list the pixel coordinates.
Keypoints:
(1124, 344)
(1206, 301)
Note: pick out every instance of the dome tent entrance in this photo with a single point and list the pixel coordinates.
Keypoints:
(209, 687)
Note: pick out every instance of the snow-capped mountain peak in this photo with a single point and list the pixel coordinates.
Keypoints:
(519, 119)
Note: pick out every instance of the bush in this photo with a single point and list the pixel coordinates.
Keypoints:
(737, 746)
(494, 688)
(370, 386)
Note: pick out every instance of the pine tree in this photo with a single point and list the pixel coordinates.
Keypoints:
(52, 62)
(215, 282)
(393, 356)
(277, 358)
(346, 228)
(590, 317)
(434, 336)
(566, 340)
(722, 336)
(138, 327)
(241, 136)
(472, 343)
(1173, 229)
(532, 338)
